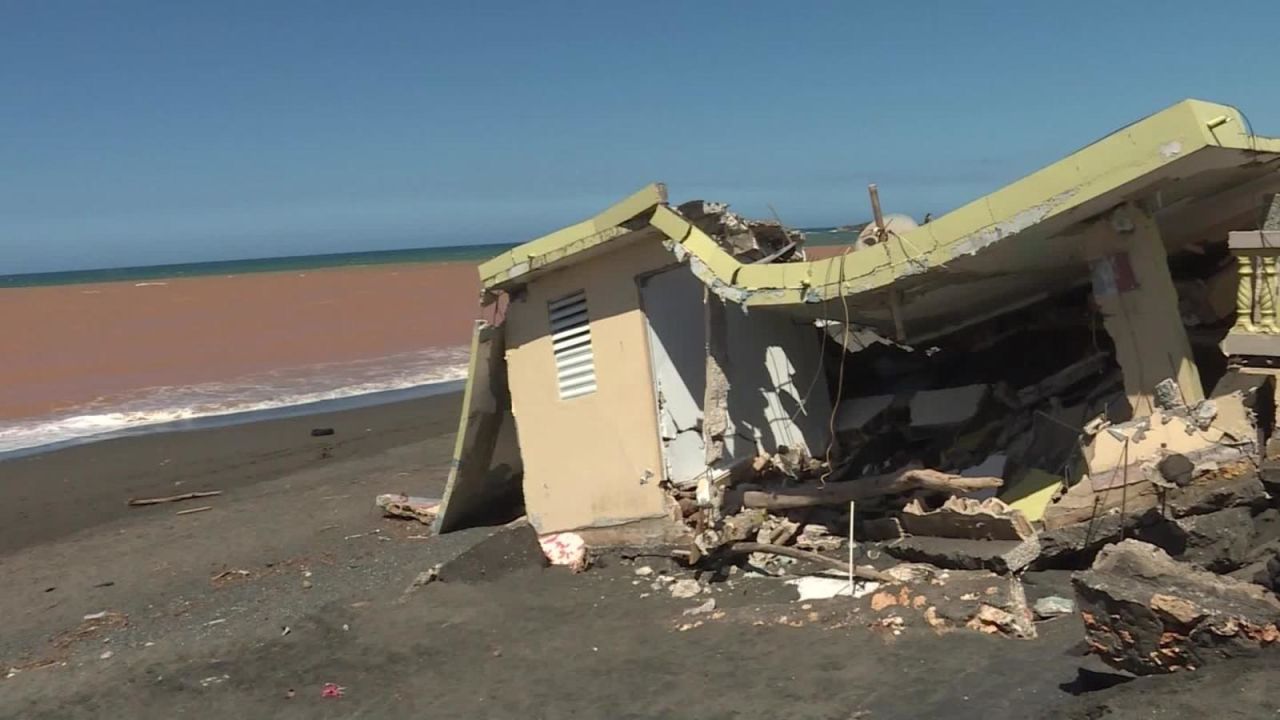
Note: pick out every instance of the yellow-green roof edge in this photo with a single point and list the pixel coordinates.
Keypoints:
(1119, 158)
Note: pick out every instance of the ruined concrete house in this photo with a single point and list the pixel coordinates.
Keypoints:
(655, 347)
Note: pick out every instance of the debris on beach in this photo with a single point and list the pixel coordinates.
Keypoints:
(230, 574)
(332, 690)
(139, 502)
(410, 507)
(567, 549)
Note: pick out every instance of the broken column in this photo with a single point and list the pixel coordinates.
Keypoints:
(1147, 613)
(1135, 294)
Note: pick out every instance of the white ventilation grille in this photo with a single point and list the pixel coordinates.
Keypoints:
(571, 343)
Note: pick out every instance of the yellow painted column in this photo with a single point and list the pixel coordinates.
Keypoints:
(1265, 282)
(1244, 295)
(1136, 296)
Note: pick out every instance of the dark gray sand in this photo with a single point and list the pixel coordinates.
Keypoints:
(293, 580)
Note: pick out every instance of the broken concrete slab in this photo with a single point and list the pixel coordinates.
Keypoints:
(510, 550)
(856, 413)
(1000, 556)
(1073, 547)
(946, 407)
(1219, 541)
(1147, 613)
(1231, 486)
(959, 517)
(1077, 372)
(1237, 486)
(879, 529)
(1222, 542)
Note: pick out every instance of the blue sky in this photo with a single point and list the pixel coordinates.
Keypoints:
(153, 132)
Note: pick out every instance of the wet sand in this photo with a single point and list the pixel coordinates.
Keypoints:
(56, 494)
(72, 344)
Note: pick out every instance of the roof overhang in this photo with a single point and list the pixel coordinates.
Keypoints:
(1195, 166)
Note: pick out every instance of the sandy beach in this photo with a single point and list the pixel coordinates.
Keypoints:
(293, 580)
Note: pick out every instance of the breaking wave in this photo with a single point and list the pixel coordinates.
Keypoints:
(158, 408)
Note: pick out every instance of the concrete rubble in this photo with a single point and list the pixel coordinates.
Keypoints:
(1147, 613)
(1001, 469)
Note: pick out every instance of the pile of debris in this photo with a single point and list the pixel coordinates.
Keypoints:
(754, 241)
(1035, 467)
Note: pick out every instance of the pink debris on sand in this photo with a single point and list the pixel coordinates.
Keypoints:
(565, 548)
(331, 690)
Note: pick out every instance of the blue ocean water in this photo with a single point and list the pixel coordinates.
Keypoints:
(453, 253)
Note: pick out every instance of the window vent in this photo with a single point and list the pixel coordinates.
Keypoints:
(571, 343)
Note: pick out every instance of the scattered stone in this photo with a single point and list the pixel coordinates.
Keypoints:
(1147, 613)
(106, 655)
(644, 571)
(1001, 556)
(702, 609)
(422, 579)
(948, 600)
(685, 588)
(818, 539)
(1053, 606)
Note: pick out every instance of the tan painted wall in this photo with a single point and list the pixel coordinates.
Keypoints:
(592, 460)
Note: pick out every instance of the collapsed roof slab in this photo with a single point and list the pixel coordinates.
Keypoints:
(1195, 167)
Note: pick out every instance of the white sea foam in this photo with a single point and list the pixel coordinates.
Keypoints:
(265, 391)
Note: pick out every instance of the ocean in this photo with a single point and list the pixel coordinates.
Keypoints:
(101, 353)
(95, 354)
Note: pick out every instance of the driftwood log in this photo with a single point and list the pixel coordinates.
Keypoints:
(136, 502)
(863, 488)
(863, 572)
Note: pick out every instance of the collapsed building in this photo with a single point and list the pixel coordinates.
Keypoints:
(1072, 350)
